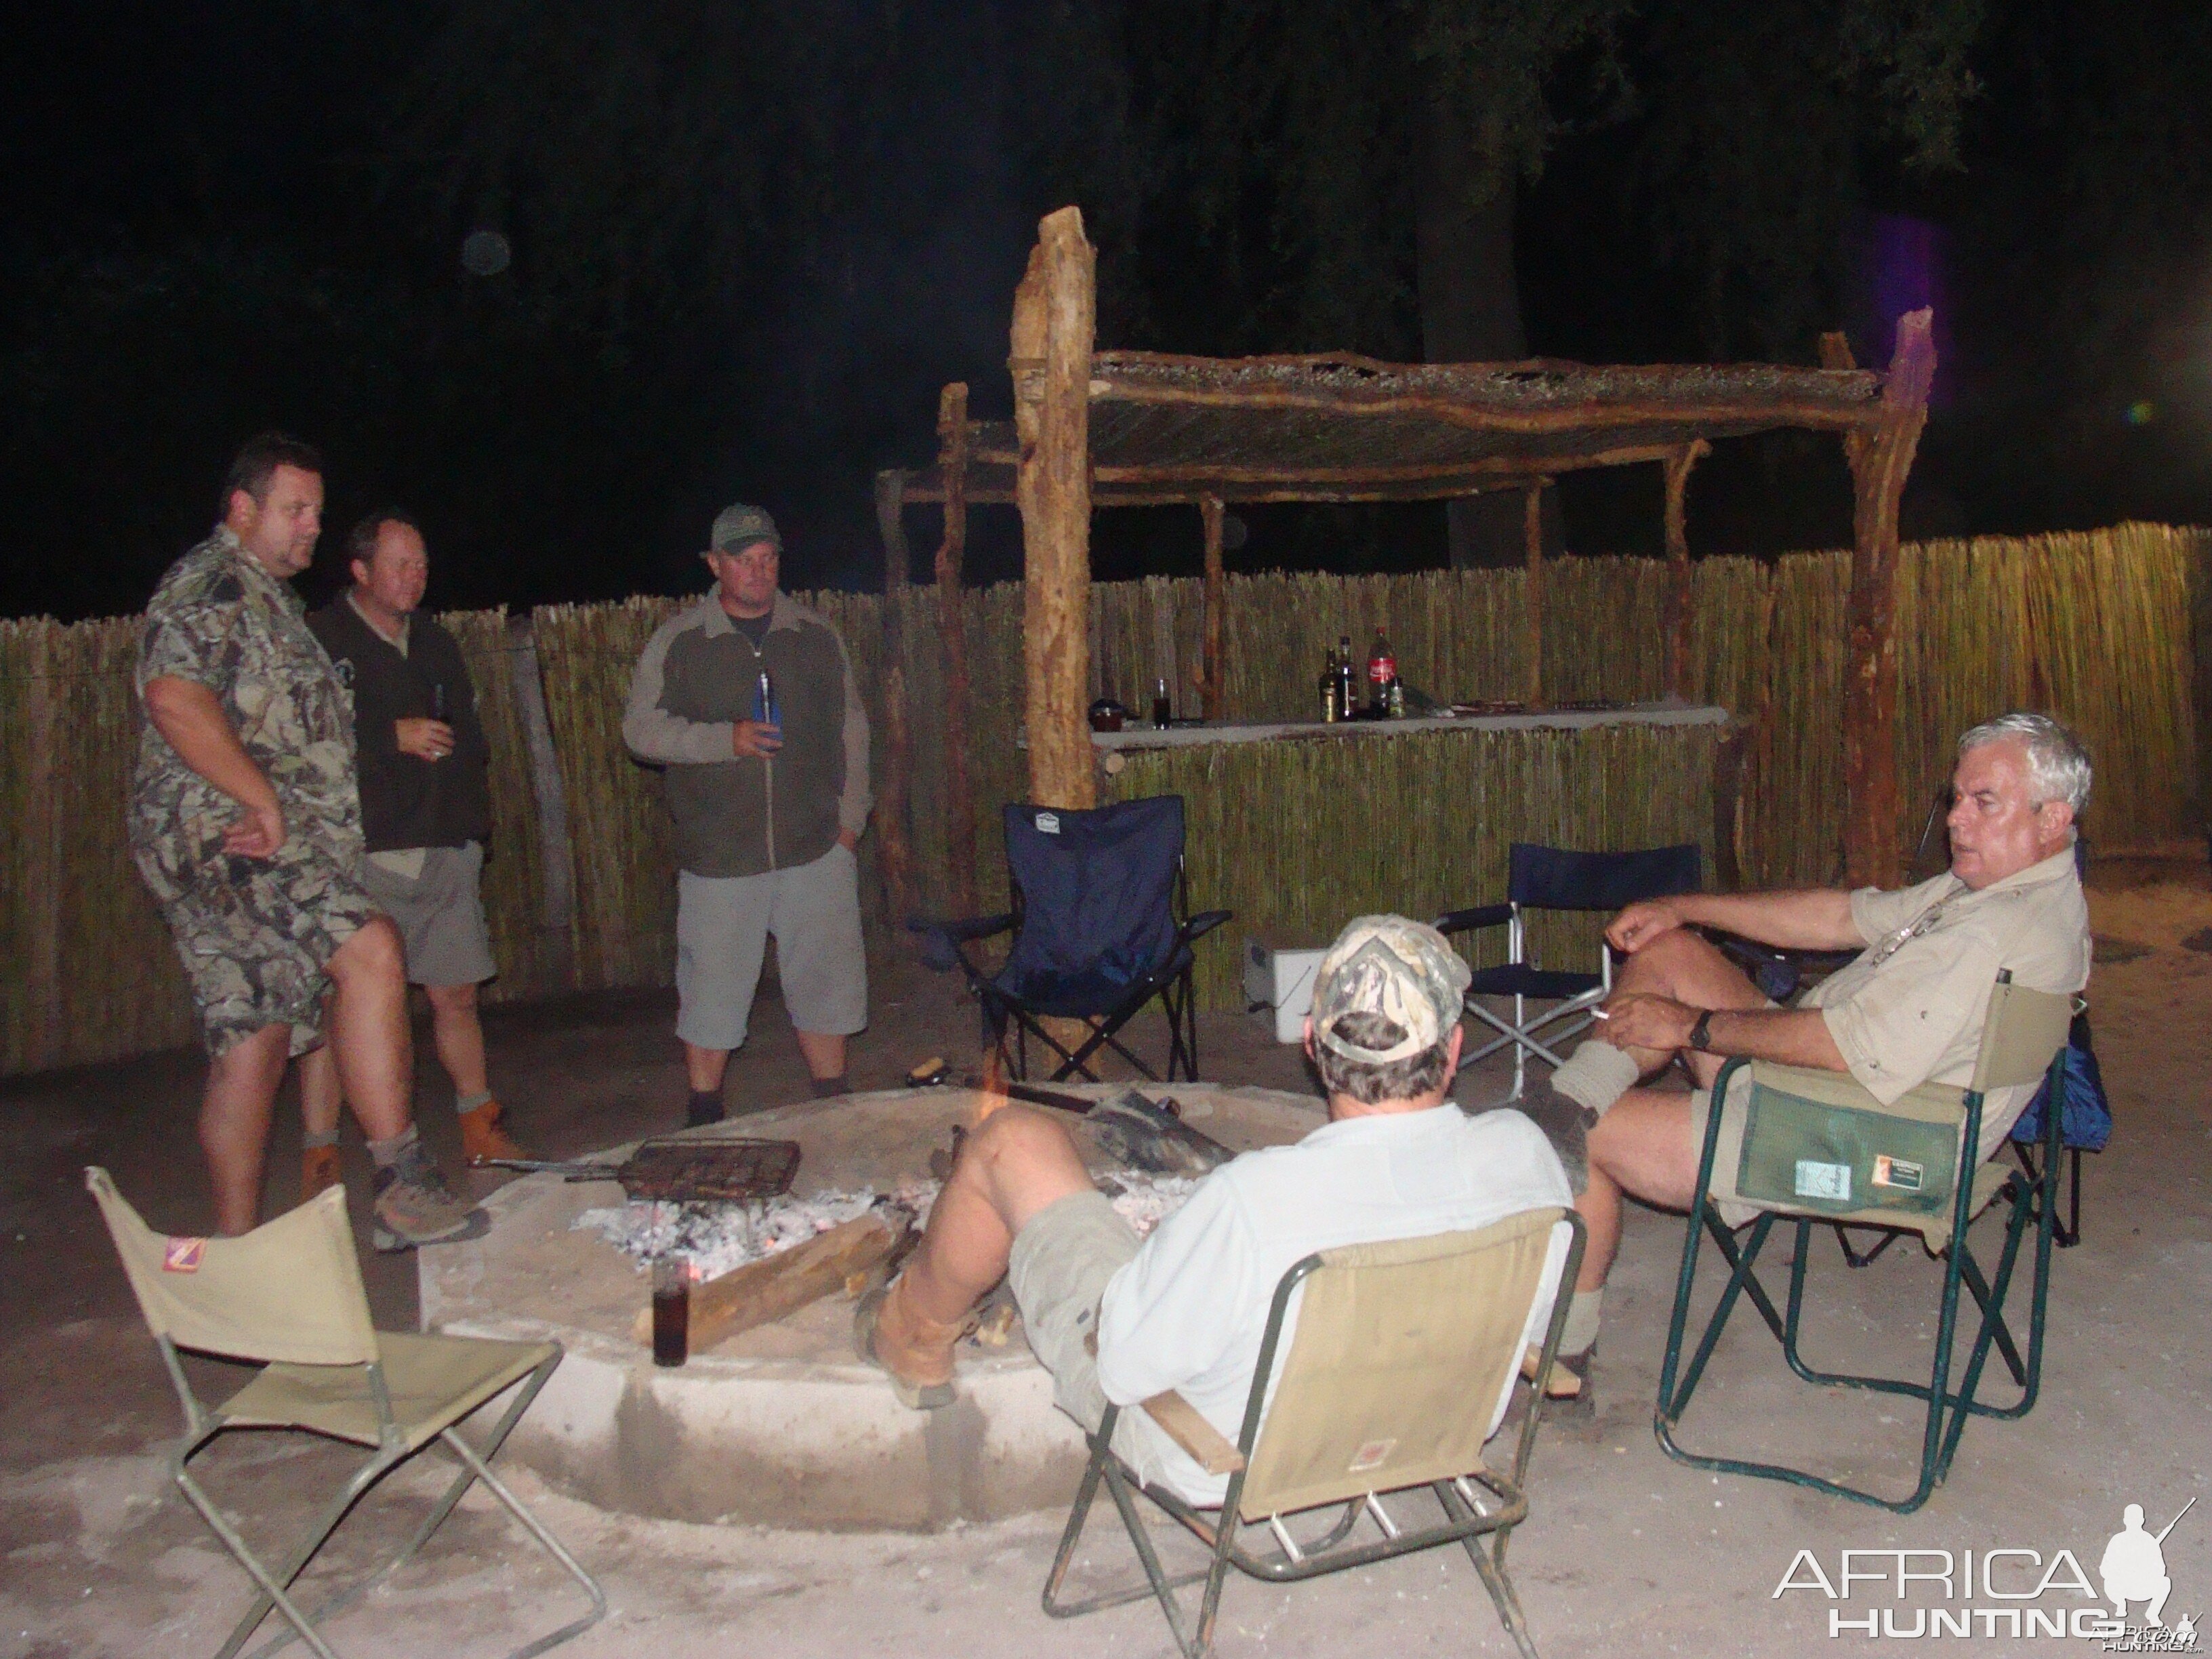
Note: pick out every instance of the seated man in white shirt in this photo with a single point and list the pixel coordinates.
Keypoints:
(1185, 1308)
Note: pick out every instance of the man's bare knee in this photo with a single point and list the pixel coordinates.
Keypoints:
(375, 953)
(1022, 1160)
(452, 998)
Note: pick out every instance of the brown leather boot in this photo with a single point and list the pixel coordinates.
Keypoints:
(318, 1170)
(483, 1136)
(914, 1350)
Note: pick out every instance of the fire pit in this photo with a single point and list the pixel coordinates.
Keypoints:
(782, 1423)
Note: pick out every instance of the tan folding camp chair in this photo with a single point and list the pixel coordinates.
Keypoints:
(1400, 1354)
(1816, 1149)
(288, 1296)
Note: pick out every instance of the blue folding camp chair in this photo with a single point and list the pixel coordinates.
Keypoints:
(1101, 927)
(1552, 879)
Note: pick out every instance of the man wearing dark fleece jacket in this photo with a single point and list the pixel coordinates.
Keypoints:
(426, 808)
(747, 699)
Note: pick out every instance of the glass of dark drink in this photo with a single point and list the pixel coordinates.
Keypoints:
(672, 1310)
(1162, 710)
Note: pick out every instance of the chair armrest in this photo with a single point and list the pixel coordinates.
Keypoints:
(941, 940)
(1181, 1422)
(1204, 923)
(1480, 915)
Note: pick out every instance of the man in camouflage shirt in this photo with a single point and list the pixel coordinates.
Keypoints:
(246, 823)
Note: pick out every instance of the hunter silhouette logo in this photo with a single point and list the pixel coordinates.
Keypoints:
(2134, 1566)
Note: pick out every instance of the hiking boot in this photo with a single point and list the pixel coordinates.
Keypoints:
(318, 1170)
(484, 1136)
(920, 1365)
(412, 1205)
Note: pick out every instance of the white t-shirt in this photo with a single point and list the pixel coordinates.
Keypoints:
(1188, 1312)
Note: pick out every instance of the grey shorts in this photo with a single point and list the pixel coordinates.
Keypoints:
(1058, 1272)
(722, 929)
(439, 915)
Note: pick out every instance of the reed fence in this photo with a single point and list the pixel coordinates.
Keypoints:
(2096, 627)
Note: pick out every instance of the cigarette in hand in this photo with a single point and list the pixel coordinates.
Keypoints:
(1600, 1013)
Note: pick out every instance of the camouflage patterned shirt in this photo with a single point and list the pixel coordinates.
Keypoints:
(219, 620)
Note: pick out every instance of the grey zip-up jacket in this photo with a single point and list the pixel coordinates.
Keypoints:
(743, 816)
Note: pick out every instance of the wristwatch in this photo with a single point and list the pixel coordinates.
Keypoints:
(1701, 1033)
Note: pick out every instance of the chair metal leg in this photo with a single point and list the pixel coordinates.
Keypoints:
(1490, 1567)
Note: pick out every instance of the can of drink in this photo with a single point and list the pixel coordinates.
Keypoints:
(764, 701)
(672, 1310)
(438, 701)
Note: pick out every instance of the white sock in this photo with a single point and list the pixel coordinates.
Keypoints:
(1596, 1075)
(1581, 1328)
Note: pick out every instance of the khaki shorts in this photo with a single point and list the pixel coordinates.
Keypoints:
(722, 929)
(440, 913)
(1727, 1156)
(1058, 1272)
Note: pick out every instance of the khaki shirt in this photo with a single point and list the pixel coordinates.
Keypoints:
(1909, 1009)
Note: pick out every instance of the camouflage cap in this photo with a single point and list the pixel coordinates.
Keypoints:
(1402, 970)
(738, 526)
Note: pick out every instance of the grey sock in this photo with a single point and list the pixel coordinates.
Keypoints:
(1581, 1328)
(386, 1153)
(824, 1087)
(464, 1104)
(314, 1138)
(1596, 1075)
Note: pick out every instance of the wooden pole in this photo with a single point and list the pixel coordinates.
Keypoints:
(894, 850)
(951, 617)
(1532, 531)
(1210, 670)
(1678, 464)
(1880, 461)
(1055, 320)
(45, 862)
(556, 851)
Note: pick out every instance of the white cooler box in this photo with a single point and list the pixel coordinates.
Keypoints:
(1280, 976)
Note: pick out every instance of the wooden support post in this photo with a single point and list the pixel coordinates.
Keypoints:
(894, 848)
(1210, 699)
(1532, 530)
(556, 854)
(46, 863)
(1055, 319)
(952, 624)
(1678, 464)
(1880, 459)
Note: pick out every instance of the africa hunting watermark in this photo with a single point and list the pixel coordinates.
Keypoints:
(1994, 1593)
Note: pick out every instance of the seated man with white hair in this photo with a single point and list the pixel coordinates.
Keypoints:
(1187, 1307)
(1908, 1009)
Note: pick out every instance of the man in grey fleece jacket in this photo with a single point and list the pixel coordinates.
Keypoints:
(768, 803)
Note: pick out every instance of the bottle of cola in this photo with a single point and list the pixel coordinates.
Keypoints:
(1382, 669)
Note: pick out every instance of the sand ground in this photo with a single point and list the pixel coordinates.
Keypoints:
(1626, 1551)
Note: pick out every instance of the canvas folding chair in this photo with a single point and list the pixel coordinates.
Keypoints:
(1553, 878)
(1817, 1150)
(1101, 926)
(1379, 1393)
(288, 1295)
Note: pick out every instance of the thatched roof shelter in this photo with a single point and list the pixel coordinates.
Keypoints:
(1338, 427)
(1127, 429)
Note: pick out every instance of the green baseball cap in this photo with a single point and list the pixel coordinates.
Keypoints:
(1402, 970)
(738, 526)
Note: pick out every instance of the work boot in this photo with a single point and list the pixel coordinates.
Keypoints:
(912, 1349)
(484, 1136)
(413, 1205)
(318, 1170)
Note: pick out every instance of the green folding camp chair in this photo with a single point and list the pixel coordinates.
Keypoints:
(1817, 1150)
(1377, 1395)
(289, 1296)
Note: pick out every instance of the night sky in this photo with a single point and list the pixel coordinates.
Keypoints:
(750, 242)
